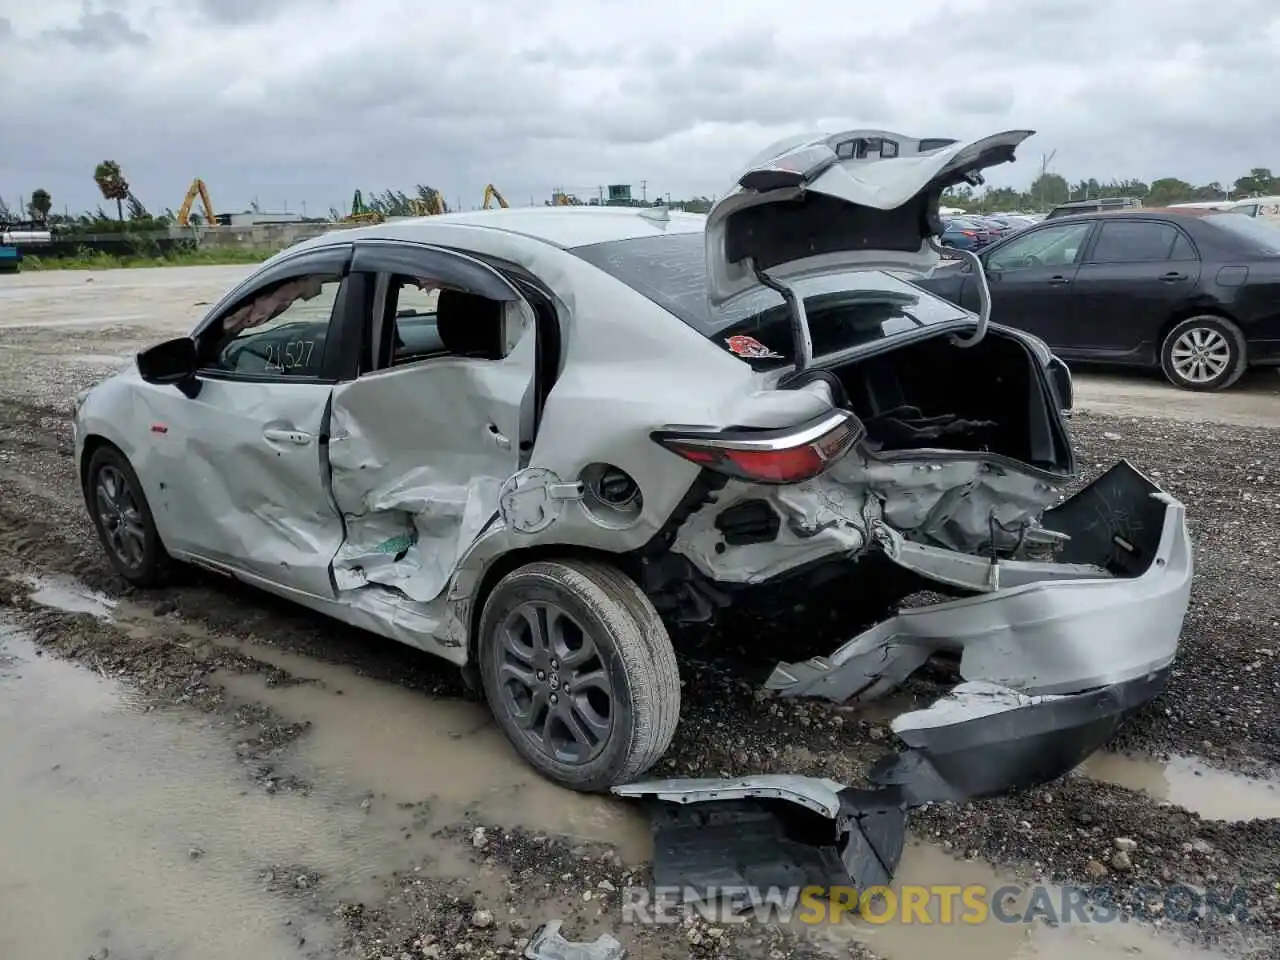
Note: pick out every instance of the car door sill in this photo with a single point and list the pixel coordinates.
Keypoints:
(255, 580)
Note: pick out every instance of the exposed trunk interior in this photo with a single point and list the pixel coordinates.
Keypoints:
(934, 395)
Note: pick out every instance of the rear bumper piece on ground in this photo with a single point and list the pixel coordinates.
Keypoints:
(983, 740)
(1052, 661)
(771, 831)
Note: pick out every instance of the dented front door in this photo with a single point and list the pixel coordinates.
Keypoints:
(418, 455)
(254, 497)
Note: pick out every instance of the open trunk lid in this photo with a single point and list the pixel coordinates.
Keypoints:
(821, 204)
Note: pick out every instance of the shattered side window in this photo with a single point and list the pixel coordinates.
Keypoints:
(279, 331)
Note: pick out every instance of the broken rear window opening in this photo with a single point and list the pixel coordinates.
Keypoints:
(847, 309)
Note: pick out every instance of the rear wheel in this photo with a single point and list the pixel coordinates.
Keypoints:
(579, 672)
(1204, 353)
(123, 519)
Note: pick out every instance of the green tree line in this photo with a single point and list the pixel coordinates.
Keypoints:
(1050, 189)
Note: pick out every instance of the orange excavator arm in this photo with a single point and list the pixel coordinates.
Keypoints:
(197, 189)
(491, 194)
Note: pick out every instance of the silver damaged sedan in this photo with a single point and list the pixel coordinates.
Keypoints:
(535, 442)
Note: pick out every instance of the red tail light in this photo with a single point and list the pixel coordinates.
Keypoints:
(970, 233)
(789, 455)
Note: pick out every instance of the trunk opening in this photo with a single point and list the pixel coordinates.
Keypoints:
(936, 395)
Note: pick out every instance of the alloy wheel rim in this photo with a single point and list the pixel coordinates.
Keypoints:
(1200, 355)
(553, 682)
(120, 516)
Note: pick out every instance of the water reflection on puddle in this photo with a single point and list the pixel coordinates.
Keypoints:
(68, 595)
(928, 866)
(1189, 783)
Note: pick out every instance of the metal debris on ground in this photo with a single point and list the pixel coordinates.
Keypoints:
(771, 830)
(548, 944)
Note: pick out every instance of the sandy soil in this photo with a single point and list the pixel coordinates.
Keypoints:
(204, 766)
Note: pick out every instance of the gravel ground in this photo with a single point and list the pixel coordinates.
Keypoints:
(1222, 703)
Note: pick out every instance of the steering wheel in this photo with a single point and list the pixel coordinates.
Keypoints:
(1031, 260)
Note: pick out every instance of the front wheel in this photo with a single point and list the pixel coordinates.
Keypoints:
(579, 672)
(1203, 353)
(123, 519)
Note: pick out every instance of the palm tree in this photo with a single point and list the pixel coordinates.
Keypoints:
(40, 205)
(113, 185)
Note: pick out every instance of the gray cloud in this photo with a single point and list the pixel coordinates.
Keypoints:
(981, 100)
(238, 12)
(285, 100)
(98, 30)
(6, 27)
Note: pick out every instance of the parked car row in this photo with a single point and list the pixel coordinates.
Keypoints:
(972, 231)
(1195, 293)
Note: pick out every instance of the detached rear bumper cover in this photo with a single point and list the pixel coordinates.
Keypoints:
(1051, 664)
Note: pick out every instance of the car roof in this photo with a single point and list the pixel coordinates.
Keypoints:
(1140, 213)
(561, 226)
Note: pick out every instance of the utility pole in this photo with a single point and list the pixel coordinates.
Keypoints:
(1045, 160)
(304, 209)
(600, 195)
(644, 191)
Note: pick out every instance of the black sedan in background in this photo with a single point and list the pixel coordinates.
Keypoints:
(1196, 295)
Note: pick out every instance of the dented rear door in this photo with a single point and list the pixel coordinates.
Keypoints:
(419, 451)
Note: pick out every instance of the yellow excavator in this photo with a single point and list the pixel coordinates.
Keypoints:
(491, 194)
(360, 213)
(428, 208)
(197, 189)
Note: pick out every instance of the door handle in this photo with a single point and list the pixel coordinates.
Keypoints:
(296, 437)
(1172, 277)
(1058, 281)
(498, 437)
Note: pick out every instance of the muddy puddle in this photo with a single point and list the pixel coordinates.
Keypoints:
(148, 824)
(64, 593)
(101, 808)
(1189, 783)
(401, 743)
(937, 875)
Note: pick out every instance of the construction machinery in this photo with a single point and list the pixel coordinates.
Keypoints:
(490, 195)
(429, 207)
(360, 213)
(197, 189)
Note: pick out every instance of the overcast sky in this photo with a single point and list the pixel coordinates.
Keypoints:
(305, 100)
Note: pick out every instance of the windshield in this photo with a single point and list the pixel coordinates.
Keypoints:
(845, 309)
(1261, 235)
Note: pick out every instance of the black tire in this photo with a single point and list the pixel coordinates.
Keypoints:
(634, 655)
(1209, 329)
(147, 566)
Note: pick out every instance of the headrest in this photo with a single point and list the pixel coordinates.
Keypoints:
(470, 325)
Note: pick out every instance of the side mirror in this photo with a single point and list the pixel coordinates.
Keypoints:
(172, 362)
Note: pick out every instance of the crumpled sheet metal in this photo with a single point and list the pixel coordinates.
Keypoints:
(409, 522)
(1042, 636)
(1051, 667)
(947, 503)
(548, 944)
(415, 534)
(950, 502)
(771, 831)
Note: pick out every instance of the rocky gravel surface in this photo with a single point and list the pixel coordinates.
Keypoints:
(1223, 704)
